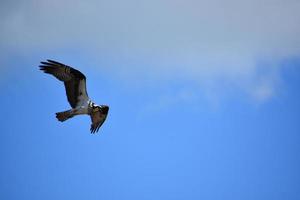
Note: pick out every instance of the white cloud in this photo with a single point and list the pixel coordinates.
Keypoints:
(263, 92)
(208, 42)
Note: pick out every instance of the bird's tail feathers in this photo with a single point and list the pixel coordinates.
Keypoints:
(63, 116)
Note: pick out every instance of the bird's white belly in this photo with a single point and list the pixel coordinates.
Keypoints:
(81, 110)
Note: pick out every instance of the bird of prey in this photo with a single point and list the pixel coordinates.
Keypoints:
(75, 85)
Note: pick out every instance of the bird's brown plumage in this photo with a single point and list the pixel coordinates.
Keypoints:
(71, 77)
(98, 117)
(75, 85)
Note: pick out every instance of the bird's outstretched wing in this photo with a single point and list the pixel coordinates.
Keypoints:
(98, 117)
(74, 80)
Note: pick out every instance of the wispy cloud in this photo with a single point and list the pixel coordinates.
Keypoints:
(208, 42)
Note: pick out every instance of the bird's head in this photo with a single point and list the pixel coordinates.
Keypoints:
(103, 108)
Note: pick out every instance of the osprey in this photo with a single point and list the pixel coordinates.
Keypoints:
(75, 85)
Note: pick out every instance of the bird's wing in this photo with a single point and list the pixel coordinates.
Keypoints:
(74, 80)
(98, 119)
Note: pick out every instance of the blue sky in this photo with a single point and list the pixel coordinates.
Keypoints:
(204, 100)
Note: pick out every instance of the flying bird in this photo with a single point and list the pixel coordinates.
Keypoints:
(75, 85)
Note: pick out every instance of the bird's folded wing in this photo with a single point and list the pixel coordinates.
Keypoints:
(98, 119)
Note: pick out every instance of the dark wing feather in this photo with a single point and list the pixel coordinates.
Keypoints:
(98, 119)
(74, 80)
